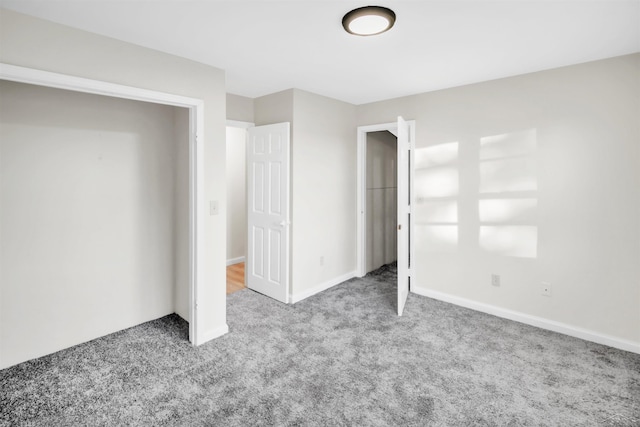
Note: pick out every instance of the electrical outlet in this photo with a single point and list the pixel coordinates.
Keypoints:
(545, 289)
(322, 260)
(495, 280)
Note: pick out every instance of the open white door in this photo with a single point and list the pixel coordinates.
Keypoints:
(404, 212)
(267, 261)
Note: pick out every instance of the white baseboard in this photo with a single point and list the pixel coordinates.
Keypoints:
(235, 260)
(322, 287)
(528, 319)
(215, 333)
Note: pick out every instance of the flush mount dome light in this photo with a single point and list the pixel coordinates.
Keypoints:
(369, 20)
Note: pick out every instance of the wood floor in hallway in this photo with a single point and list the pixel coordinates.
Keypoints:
(235, 278)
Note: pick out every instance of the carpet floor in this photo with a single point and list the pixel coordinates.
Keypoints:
(341, 357)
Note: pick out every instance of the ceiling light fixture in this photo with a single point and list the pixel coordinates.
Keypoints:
(369, 21)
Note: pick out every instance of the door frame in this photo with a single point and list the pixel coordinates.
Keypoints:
(197, 195)
(361, 213)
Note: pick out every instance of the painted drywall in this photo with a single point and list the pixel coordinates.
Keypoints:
(181, 212)
(274, 108)
(43, 45)
(236, 194)
(382, 199)
(534, 178)
(323, 185)
(240, 108)
(324, 155)
(87, 217)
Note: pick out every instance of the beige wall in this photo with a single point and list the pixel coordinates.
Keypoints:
(239, 108)
(534, 178)
(34, 43)
(274, 108)
(323, 191)
(323, 184)
(382, 199)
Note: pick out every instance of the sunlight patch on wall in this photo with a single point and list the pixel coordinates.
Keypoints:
(507, 162)
(436, 189)
(505, 210)
(508, 145)
(508, 201)
(437, 211)
(436, 155)
(510, 240)
(509, 174)
(436, 182)
(436, 238)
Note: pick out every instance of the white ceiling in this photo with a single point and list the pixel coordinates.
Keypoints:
(266, 46)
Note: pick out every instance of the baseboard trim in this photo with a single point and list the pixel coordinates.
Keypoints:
(235, 260)
(322, 287)
(528, 319)
(215, 333)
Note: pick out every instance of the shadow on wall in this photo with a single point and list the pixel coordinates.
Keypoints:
(499, 206)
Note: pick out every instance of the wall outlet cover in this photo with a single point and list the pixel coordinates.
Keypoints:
(495, 280)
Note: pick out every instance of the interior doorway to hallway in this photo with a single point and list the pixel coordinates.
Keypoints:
(236, 204)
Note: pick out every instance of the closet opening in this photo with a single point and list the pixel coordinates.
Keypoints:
(385, 195)
(381, 203)
(98, 213)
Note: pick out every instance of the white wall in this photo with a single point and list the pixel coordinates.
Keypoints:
(39, 44)
(87, 217)
(382, 199)
(324, 158)
(236, 194)
(323, 186)
(534, 178)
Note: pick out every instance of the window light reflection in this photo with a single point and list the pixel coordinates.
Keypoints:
(436, 155)
(510, 240)
(504, 210)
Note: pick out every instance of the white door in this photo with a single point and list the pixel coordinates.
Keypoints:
(404, 212)
(267, 263)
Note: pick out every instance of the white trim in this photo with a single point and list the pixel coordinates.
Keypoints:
(322, 287)
(80, 84)
(197, 209)
(239, 124)
(528, 319)
(361, 205)
(232, 261)
(215, 333)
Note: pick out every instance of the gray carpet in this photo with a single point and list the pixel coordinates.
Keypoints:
(339, 358)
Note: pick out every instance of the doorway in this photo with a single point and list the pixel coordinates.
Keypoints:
(258, 222)
(382, 200)
(381, 187)
(236, 204)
